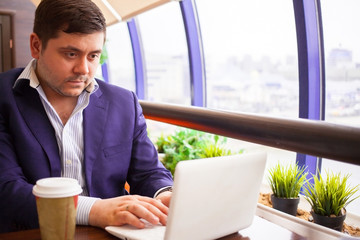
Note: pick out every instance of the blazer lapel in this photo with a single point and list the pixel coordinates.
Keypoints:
(32, 110)
(94, 114)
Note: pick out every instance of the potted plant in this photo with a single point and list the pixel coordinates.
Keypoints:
(328, 199)
(285, 183)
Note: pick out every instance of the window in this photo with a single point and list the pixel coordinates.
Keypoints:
(342, 61)
(251, 56)
(250, 50)
(165, 50)
(342, 68)
(121, 61)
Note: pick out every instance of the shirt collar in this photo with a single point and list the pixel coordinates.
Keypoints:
(29, 74)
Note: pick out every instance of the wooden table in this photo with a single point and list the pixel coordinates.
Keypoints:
(260, 229)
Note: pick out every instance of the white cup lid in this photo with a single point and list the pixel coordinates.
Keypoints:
(56, 187)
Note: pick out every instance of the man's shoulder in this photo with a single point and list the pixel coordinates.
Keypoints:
(8, 78)
(112, 89)
(14, 73)
(118, 96)
(107, 85)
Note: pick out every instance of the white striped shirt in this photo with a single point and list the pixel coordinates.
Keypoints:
(70, 139)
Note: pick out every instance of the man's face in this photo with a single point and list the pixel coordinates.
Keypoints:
(68, 63)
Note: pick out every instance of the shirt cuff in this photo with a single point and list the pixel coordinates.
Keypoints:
(167, 188)
(83, 209)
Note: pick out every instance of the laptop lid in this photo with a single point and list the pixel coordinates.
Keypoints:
(212, 198)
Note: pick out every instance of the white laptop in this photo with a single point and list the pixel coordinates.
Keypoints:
(212, 198)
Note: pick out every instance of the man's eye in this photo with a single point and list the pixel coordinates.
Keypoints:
(93, 56)
(70, 54)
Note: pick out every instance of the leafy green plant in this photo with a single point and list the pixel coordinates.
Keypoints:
(162, 142)
(286, 181)
(215, 149)
(328, 196)
(187, 144)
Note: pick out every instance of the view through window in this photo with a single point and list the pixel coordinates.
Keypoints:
(342, 70)
(250, 53)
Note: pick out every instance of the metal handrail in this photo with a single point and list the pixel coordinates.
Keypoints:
(317, 138)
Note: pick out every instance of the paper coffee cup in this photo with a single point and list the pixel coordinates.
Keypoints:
(56, 201)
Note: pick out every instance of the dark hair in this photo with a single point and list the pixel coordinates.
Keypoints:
(69, 16)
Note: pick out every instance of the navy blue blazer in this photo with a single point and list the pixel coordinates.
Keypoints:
(116, 149)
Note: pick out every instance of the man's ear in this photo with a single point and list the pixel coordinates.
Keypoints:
(35, 45)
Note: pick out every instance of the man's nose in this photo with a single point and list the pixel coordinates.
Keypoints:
(82, 66)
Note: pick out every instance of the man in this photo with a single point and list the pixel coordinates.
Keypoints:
(57, 120)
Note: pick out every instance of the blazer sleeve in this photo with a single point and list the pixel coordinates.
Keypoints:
(17, 203)
(23, 159)
(146, 174)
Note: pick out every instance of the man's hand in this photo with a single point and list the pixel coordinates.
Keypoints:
(128, 210)
(164, 197)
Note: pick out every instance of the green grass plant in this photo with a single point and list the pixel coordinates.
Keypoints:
(286, 180)
(214, 146)
(328, 196)
(187, 144)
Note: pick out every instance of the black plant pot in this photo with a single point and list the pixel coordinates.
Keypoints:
(335, 223)
(286, 205)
